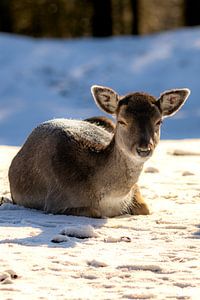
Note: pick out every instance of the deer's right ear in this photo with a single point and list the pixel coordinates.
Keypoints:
(105, 98)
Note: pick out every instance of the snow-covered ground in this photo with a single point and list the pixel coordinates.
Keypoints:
(143, 257)
(63, 257)
(43, 79)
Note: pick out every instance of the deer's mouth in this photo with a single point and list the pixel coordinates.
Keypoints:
(144, 151)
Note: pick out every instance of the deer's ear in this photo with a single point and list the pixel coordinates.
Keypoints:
(105, 98)
(171, 101)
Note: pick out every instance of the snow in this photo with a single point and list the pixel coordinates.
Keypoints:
(81, 232)
(45, 256)
(128, 257)
(43, 79)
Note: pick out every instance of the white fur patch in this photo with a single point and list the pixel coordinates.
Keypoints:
(114, 206)
(81, 130)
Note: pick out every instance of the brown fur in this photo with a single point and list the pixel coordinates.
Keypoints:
(81, 168)
(103, 122)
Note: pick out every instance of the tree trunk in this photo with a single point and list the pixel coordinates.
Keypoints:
(135, 12)
(192, 12)
(5, 16)
(102, 18)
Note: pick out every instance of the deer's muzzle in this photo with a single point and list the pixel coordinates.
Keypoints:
(144, 151)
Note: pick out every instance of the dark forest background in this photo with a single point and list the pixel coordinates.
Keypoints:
(98, 18)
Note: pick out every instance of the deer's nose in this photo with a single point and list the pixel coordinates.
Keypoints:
(145, 148)
(144, 151)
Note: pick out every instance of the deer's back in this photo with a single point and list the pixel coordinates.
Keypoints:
(58, 152)
(61, 137)
(87, 134)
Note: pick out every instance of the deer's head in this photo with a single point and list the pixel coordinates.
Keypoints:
(139, 117)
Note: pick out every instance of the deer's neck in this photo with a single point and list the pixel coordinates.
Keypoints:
(119, 170)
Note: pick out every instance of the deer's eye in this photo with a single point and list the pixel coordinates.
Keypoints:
(122, 122)
(159, 122)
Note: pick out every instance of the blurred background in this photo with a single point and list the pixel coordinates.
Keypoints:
(52, 51)
(98, 18)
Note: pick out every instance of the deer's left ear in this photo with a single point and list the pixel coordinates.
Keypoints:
(171, 101)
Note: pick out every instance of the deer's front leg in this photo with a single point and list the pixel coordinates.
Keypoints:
(138, 205)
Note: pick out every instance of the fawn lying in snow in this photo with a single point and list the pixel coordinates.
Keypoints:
(91, 167)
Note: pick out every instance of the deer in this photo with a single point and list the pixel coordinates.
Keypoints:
(91, 167)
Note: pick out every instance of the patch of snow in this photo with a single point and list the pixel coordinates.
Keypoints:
(152, 268)
(81, 232)
(128, 257)
(187, 173)
(112, 239)
(96, 264)
(183, 152)
(151, 170)
(59, 239)
(43, 79)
